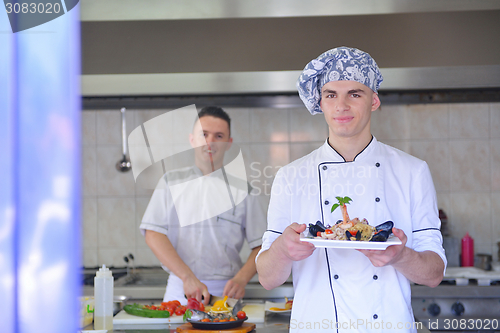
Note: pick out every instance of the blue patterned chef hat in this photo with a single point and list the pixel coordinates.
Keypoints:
(339, 64)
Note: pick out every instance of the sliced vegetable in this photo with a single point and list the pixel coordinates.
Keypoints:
(139, 310)
(220, 305)
(193, 303)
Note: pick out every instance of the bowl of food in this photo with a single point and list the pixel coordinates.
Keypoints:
(218, 317)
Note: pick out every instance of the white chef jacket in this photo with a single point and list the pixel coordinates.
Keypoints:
(211, 247)
(339, 290)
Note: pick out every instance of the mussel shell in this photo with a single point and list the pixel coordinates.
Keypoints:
(385, 226)
(381, 236)
(314, 228)
(349, 235)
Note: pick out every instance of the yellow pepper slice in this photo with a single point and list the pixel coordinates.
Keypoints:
(220, 305)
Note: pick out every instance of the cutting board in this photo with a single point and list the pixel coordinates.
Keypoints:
(188, 328)
(255, 314)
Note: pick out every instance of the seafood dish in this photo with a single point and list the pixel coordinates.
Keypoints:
(354, 231)
(219, 316)
(351, 229)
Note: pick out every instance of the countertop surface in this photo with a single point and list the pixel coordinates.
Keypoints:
(273, 323)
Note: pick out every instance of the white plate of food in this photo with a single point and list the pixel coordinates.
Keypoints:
(346, 244)
(275, 307)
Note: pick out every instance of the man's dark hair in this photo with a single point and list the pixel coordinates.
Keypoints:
(216, 112)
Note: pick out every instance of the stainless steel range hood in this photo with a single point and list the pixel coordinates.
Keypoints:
(195, 47)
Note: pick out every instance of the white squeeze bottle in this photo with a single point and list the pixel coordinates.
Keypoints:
(103, 299)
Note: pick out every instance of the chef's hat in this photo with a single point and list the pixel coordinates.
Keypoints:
(339, 64)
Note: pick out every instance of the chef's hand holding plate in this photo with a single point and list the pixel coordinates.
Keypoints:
(290, 245)
(391, 254)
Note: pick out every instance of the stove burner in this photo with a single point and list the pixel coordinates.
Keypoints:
(457, 308)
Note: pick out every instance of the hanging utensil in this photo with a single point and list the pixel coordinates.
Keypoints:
(124, 165)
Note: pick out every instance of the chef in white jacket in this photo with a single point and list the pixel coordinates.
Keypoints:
(203, 258)
(348, 290)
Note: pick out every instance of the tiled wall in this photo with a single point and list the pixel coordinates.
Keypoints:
(460, 142)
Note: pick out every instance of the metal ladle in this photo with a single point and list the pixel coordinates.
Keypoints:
(124, 165)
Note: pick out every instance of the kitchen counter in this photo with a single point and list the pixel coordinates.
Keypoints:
(274, 323)
(149, 290)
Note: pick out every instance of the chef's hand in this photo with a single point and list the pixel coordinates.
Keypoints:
(195, 288)
(290, 245)
(389, 256)
(234, 288)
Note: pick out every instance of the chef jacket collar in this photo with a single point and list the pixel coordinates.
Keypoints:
(216, 173)
(332, 154)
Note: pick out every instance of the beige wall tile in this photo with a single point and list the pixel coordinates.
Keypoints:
(109, 126)
(470, 165)
(114, 257)
(469, 121)
(148, 179)
(116, 224)
(264, 161)
(298, 149)
(444, 202)
(141, 116)
(146, 258)
(495, 120)
(110, 225)
(495, 164)
(391, 122)
(110, 181)
(89, 223)
(470, 212)
(429, 121)
(269, 125)
(436, 154)
(89, 170)
(403, 145)
(90, 257)
(240, 124)
(89, 127)
(305, 127)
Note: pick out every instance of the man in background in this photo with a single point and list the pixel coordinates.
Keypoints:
(203, 258)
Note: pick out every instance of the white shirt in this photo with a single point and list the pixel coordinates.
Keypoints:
(211, 247)
(340, 287)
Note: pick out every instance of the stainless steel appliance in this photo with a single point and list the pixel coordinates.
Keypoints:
(462, 303)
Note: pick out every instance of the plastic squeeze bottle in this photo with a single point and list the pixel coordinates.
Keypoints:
(467, 251)
(103, 299)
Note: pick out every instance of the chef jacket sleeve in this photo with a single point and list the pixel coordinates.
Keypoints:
(424, 211)
(255, 220)
(158, 210)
